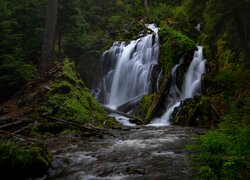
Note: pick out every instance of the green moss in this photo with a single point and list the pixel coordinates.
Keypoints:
(22, 161)
(69, 99)
(145, 105)
(47, 127)
(174, 46)
(68, 71)
(199, 111)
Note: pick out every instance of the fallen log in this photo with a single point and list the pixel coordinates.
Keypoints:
(20, 137)
(126, 107)
(10, 124)
(160, 97)
(93, 130)
(136, 120)
(21, 130)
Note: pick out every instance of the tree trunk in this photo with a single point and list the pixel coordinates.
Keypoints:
(60, 47)
(146, 9)
(47, 56)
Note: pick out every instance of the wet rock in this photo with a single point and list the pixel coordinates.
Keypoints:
(131, 170)
(196, 112)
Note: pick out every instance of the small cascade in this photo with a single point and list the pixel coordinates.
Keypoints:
(128, 69)
(191, 86)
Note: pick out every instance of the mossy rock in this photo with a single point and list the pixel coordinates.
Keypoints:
(68, 98)
(143, 108)
(50, 127)
(23, 161)
(174, 46)
(196, 112)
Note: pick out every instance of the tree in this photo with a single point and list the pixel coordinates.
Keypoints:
(48, 47)
(146, 8)
(16, 66)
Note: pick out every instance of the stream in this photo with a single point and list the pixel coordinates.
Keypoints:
(139, 152)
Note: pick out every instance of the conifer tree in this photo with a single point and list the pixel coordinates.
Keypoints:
(47, 57)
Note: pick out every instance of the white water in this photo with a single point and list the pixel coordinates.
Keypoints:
(191, 87)
(122, 119)
(132, 72)
(130, 69)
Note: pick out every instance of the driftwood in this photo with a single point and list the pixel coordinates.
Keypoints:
(93, 130)
(20, 137)
(21, 130)
(132, 118)
(126, 107)
(215, 93)
(155, 105)
(10, 124)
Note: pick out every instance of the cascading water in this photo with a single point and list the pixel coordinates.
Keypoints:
(191, 86)
(128, 72)
(129, 69)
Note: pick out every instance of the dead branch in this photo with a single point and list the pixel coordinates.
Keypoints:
(10, 124)
(19, 136)
(21, 130)
(94, 130)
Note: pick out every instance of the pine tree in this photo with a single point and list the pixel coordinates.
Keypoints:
(15, 71)
(47, 57)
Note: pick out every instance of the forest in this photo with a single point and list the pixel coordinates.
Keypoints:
(88, 88)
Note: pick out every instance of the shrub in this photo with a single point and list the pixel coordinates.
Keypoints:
(19, 162)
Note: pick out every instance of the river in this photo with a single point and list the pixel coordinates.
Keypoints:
(139, 152)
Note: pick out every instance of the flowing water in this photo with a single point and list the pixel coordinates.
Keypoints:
(141, 153)
(128, 68)
(191, 86)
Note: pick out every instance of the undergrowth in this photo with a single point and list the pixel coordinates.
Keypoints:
(23, 160)
(224, 153)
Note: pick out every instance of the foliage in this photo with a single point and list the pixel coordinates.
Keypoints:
(224, 154)
(160, 12)
(20, 29)
(22, 161)
(13, 75)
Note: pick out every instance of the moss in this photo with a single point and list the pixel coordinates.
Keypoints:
(69, 73)
(144, 106)
(69, 99)
(48, 127)
(199, 111)
(22, 161)
(174, 46)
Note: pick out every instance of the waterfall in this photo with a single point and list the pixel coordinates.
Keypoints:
(191, 86)
(127, 69)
